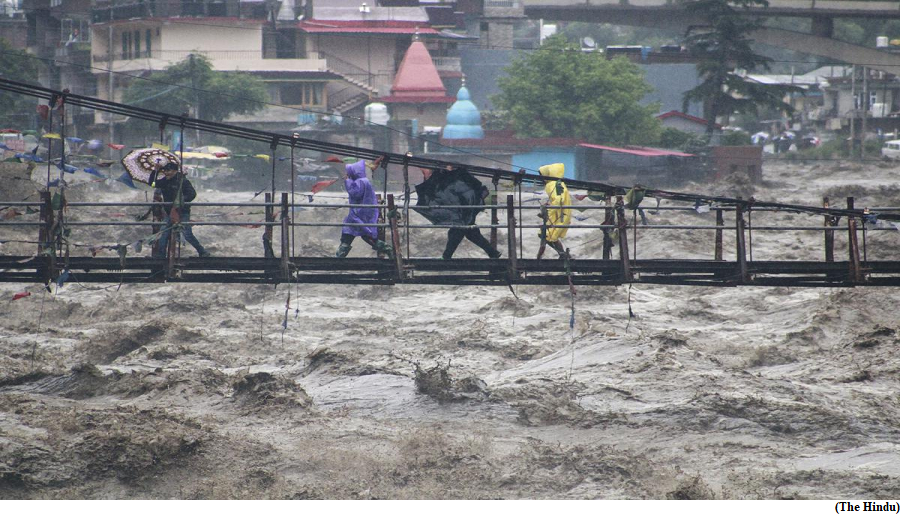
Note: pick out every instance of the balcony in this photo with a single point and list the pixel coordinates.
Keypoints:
(447, 64)
(175, 9)
(80, 49)
(222, 60)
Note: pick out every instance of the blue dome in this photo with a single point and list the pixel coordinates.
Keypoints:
(463, 118)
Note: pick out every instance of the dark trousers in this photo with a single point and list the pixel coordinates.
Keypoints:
(455, 237)
(348, 239)
(186, 231)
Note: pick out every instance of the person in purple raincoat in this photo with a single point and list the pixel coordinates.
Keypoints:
(361, 192)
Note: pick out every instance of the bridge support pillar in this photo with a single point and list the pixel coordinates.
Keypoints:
(608, 219)
(268, 250)
(856, 275)
(720, 222)
(285, 238)
(823, 26)
(395, 237)
(46, 239)
(829, 233)
(495, 200)
(741, 244)
(622, 226)
(511, 238)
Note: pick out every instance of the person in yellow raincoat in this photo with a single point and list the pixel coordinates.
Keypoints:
(559, 196)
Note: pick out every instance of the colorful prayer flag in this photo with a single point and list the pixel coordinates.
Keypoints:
(321, 185)
(126, 179)
(66, 167)
(94, 172)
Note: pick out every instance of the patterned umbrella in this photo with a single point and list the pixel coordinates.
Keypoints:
(142, 164)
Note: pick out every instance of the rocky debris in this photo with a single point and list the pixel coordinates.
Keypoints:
(264, 389)
(437, 383)
(84, 446)
(545, 402)
(115, 343)
(878, 336)
(691, 489)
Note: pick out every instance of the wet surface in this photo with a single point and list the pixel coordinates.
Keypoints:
(197, 391)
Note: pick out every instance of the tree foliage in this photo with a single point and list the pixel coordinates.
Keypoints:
(16, 110)
(672, 138)
(560, 91)
(723, 44)
(179, 87)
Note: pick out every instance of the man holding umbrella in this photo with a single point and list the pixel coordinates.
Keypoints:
(456, 187)
(177, 192)
(160, 169)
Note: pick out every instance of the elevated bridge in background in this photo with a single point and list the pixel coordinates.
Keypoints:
(671, 14)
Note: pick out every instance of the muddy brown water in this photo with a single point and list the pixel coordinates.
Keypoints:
(194, 391)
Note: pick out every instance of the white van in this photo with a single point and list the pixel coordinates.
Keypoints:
(891, 149)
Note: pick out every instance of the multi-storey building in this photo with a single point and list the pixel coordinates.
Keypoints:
(59, 36)
(316, 57)
(13, 27)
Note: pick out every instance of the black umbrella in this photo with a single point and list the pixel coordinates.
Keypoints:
(455, 187)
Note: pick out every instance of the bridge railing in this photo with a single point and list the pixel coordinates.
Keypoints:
(60, 227)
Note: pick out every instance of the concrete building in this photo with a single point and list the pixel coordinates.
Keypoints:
(58, 33)
(137, 39)
(417, 92)
(13, 24)
(317, 58)
(836, 95)
(866, 94)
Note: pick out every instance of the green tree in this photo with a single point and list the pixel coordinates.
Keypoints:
(16, 110)
(672, 138)
(559, 91)
(193, 82)
(723, 44)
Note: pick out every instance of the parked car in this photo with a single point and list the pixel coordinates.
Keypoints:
(891, 149)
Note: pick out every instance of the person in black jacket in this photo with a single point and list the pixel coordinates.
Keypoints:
(177, 192)
(455, 187)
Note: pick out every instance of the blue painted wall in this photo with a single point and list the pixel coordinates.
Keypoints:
(541, 156)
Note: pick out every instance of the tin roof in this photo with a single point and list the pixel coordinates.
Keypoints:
(638, 151)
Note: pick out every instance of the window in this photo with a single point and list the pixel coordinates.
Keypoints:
(302, 93)
(125, 46)
(137, 43)
(148, 45)
(74, 31)
(859, 99)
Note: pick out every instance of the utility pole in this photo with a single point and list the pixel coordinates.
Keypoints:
(865, 113)
(109, 83)
(853, 113)
(196, 109)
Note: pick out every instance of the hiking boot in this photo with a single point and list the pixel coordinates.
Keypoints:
(494, 255)
(382, 247)
(343, 251)
(205, 254)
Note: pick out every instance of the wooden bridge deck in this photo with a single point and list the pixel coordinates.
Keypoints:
(463, 271)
